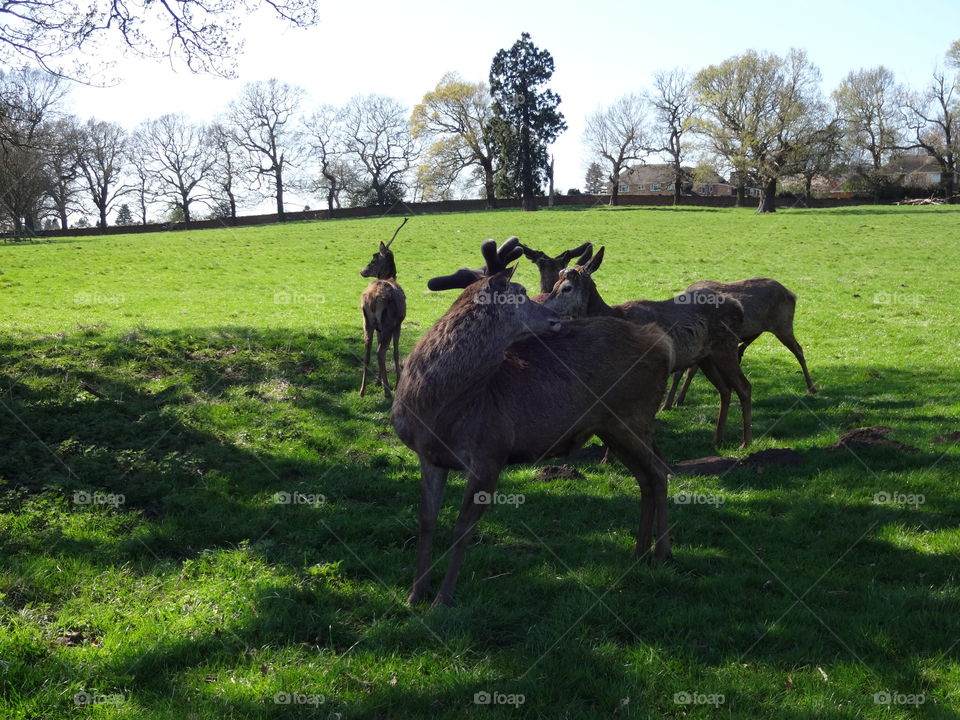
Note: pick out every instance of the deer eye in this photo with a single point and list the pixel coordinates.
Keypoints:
(567, 288)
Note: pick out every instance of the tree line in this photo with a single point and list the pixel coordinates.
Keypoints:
(759, 118)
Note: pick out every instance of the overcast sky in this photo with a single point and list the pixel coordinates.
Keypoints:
(601, 50)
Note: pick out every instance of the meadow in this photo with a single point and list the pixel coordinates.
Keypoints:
(201, 518)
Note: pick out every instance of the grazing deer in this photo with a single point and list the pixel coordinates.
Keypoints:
(703, 325)
(384, 306)
(550, 267)
(499, 380)
(767, 307)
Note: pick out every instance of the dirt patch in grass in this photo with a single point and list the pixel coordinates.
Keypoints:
(549, 473)
(865, 438)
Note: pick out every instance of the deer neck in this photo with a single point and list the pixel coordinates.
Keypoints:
(596, 306)
(454, 359)
(388, 271)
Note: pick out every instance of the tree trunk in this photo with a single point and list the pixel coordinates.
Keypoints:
(103, 216)
(808, 190)
(614, 188)
(279, 178)
(677, 182)
(489, 183)
(768, 198)
(62, 213)
(741, 194)
(529, 202)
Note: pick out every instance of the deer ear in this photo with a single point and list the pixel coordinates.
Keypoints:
(531, 254)
(587, 254)
(464, 277)
(573, 252)
(383, 248)
(594, 263)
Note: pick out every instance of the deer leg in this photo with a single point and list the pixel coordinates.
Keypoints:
(433, 479)
(744, 344)
(718, 381)
(476, 499)
(729, 368)
(368, 342)
(686, 385)
(396, 353)
(668, 403)
(383, 345)
(793, 346)
(640, 454)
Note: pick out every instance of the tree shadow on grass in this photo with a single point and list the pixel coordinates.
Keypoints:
(781, 578)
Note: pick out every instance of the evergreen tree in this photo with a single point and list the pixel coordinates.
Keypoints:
(526, 119)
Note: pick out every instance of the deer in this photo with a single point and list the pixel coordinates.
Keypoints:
(703, 325)
(383, 306)
(550, 267)
(500, 380)
(767, 307)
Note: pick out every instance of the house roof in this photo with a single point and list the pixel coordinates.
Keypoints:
(914, 163)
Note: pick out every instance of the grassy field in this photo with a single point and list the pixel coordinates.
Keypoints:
(160, 393)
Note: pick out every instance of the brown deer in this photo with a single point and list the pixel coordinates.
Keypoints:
(384, 306)
(703, 325)
(499, 380)
(767, 307)
(550, 267)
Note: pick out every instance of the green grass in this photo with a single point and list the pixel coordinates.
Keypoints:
(195, 375)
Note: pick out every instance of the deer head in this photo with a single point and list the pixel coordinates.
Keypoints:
(550, 267)
(570, 297)
(382, 265)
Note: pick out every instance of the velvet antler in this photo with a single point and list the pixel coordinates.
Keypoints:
(497, 261)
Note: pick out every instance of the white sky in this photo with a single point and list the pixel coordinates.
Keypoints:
(601, 51)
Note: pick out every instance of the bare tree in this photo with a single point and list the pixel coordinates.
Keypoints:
(102, 157)
(456, 116)
(326, 144)
(378, 138)
(141, 174)
(61, 167)
(29, 102)
(61, 36)
(869, 103)
(227, 170)
(180, 160)
(674, 108)
(933, 117)
(617, 135)
(262, 122)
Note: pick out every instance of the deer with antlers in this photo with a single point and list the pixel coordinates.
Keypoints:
(703, 325)
(500, 380)
(383, 306)
(550, 267)
(767, 307)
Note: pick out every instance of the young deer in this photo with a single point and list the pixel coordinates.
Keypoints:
(550, 267)
(384, 306)
(767, 307)
(703, 325)
(499, 380)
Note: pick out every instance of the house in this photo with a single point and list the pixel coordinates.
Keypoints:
(914, 170)
(658, 179)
